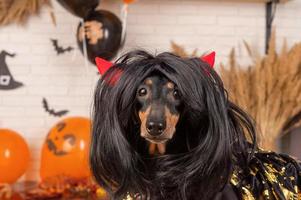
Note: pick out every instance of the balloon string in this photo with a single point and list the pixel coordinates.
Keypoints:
(124, 15)
(85, 45)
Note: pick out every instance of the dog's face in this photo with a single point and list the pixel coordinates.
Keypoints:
(159, 103)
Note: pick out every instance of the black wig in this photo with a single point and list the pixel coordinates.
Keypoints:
(210, 138)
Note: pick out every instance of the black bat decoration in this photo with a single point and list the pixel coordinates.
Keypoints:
(52, 111)
(60, 50)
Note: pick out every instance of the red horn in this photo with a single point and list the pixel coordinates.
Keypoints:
(210, 58)
(102, 65)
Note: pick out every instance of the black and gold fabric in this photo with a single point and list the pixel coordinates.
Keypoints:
(270, 176)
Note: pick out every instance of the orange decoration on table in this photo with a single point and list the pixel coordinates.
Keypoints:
(66, 149)
(14, 156)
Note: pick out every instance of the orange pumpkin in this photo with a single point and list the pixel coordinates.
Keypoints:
(66, 149)
(14, 156)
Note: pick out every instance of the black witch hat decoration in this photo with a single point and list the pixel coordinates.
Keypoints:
(7, 82)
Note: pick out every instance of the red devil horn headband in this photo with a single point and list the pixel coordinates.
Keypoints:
(104, 65)
(209, 58)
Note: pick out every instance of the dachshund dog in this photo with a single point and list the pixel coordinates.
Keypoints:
(164, 128)
(159, 112)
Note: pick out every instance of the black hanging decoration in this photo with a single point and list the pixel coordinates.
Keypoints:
(271, 7)
(7, 82)
(52, 111)
(59, 49)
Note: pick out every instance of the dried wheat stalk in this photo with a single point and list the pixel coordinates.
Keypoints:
(18, 11)
(180, 51)
(269, 90)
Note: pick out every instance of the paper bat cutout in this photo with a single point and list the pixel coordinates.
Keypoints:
(52, 111)
(104, 65)
(59, 49)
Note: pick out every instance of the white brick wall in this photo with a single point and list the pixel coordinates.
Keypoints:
(152, 24)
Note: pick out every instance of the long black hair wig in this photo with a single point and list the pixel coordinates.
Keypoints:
(212, 135)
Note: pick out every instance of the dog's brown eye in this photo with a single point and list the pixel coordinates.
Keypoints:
(176, 94)
(142, 92)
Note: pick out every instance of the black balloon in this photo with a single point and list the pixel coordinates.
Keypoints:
(103, 31)
(80, 8)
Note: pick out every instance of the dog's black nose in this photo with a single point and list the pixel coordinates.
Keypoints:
(155, 128)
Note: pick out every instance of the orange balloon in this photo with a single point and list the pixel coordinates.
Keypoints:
(66, 149)
(14, 156)
(128, 1)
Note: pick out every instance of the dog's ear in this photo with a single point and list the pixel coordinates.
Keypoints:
(209, 58)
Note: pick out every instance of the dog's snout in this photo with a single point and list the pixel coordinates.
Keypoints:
(155, 128)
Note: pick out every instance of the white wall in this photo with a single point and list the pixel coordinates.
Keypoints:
(152, 24)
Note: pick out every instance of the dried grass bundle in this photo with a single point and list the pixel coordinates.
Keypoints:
(269, 90)
(180, 51)
(18, 11)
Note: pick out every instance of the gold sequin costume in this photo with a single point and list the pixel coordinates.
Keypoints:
(270, 176)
